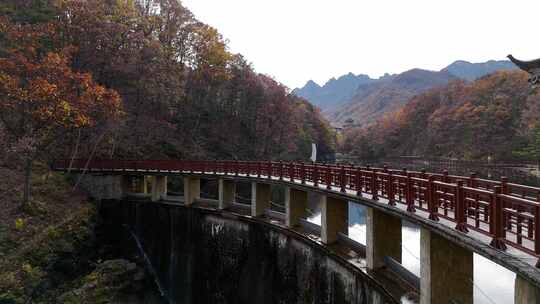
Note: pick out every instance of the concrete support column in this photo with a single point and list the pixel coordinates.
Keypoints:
(227, 192)
(525, 292)
(159, 188)
(141, 185)
(260, 198)
(334, 218)
(108, 187)
(383, 238)
(192, 189)
(446, 271)
(295, 206)
(99, 187)
(125, 184)
(119, 187)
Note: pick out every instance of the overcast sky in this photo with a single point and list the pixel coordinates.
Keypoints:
(298, 40)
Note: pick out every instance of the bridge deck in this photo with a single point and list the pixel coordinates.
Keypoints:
(483, 216)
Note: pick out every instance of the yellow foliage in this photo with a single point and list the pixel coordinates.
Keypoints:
(19, 224)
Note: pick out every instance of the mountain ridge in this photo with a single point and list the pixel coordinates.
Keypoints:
(360, 99)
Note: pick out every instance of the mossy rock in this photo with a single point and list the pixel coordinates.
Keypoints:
(106, 283)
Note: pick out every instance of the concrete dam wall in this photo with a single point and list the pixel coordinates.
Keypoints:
(207, 256)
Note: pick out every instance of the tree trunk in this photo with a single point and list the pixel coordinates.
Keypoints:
(27, 180)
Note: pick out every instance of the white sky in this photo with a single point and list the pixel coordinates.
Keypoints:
(298, 40)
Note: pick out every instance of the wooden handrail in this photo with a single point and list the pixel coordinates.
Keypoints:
(510, 212)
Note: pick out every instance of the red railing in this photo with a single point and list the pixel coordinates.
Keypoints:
(508, 213)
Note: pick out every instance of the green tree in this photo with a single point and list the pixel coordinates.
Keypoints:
(532, 151)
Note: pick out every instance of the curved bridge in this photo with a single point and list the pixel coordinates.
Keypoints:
(458, 215)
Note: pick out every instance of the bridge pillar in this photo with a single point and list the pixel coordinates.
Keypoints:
(525, 292)
(107, 186)
(227, 192)
(141, 184)
(120, 186)
(192, 189)
(446, 271)
(159, 187)
(295, 206)
(260, 198)
(334, 218)
(383, 238)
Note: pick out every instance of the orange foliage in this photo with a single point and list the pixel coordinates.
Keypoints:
(42, 97)
(492, 116)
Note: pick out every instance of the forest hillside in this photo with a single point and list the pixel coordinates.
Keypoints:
(494, 117)
(118, 79)
(140, 79)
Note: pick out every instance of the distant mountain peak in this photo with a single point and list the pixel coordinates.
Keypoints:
(472, 71)
(334, 91)
(460, 62)
(311, 83)
(362, 98)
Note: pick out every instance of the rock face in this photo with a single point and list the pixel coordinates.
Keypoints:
(105, 283)
(202, 257)
(334, 93)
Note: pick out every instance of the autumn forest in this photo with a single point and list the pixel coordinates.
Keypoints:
(139, 79)
(495, 117)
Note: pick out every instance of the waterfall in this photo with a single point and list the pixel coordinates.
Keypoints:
(149, 265)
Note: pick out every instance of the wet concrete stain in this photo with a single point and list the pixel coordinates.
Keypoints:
(203, 257)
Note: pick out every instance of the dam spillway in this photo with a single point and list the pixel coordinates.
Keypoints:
(203, 256)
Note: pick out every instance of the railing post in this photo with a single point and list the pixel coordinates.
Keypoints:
(269, 170)
(328, 177)
(259, 169)
(358, 182)
(315, 174)
(236, 167)
(390, 189)
(472, 180)
(409, 194)
(303, 172)
(460, 216)
(368, 182)
(342, 179)
(423, 173)
(215, 167)
(225, 167)
(280, 170)
(537, 232)
(504, 185)
(432, 199)
(291, 171)
(445, 176)
(497, 222)
(374, 186)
